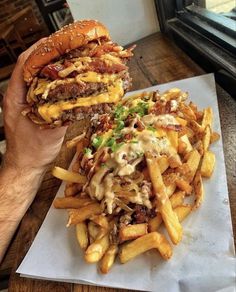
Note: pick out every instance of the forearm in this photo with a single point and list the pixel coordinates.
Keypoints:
(17, 191)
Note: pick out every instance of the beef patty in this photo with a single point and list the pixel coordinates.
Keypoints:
(73, 90)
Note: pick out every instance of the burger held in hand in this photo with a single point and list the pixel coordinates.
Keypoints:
(76, 72)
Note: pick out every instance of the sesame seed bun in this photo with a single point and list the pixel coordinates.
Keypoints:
(70, 37)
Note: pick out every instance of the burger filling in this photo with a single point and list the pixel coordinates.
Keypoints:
(87, 77)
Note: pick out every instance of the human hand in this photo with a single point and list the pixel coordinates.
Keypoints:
(28, 146)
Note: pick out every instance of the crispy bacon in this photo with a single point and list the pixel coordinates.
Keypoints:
(101, 66)
(177, 128)
(51, 71)
(104, 124)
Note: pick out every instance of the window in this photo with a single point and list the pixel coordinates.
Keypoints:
(206, 30)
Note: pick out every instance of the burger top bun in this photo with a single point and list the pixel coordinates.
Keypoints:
(70, 37)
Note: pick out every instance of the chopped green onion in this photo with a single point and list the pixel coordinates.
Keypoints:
(134, 141)
(87, 151)
(141, 109)
(110, 142)
(150, 128)
(97, 141)
(119, 111)
(116, 146)
(120, 125)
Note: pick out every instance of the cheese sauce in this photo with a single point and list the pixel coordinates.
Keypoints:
(123, 162)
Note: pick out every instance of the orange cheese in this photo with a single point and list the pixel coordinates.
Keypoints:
(50, 112)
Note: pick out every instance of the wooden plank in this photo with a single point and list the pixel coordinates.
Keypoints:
(156, 61)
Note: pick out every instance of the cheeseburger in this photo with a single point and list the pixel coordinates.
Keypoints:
(74, 73)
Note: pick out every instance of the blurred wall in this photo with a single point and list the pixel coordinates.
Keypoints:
(127, 20)
(10, 8)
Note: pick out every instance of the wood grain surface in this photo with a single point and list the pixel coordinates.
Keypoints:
(157, 60)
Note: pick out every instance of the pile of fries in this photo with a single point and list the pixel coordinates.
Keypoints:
(134, 171)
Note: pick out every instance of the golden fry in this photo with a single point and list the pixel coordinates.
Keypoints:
(177, 199)
(193, 162)
(207, 118)
(78, 140)
(181, 121)
(169, 217)
(182, 147)
(67, 175)
(183, 185)
(82, 235)
(100, 220)
(79, 215)
(97, 249)
(174, 160)
(183, 211)
(206, 138)
(184, 139)
(198, 189)
(108, 259)
(173, 138)
(71, 202)
(163, 163)
(214, 137)
(154, 223)
(72, 189)
(93, 230)
(132, 231)
(145, 243)
(208, 164)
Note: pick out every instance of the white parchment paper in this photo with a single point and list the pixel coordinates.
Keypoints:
(203, 261)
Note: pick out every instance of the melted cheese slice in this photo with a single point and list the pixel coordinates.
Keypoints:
(50, 112)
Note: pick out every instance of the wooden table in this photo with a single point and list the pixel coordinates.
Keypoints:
(157, 60)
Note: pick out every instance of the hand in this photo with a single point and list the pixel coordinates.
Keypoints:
(28, 146)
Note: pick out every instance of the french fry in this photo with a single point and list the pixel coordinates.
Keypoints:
(185, 140)
(196, 127)
(174, 160)
(108, 259)
(173, 138)
(132, 231)
(181, 121)
(207, 117)
(199, 147)
(67, 175)
(182, 146)
(163, 163)
(72, 189)
(169, 217)
(187, 112)
(198, 189)
(93, 231)
(214, 137)
(143, 244)
(71, 202)
(183, 211)
(97, 249)
(154, 223)
(100, 220)
(76, 166)
(193, 162)
(78, 140)
(79, 215)
(170, 189)
(82, 235)
(206, 138)
(177, 199)
(183, 185)
(208, 164)
(172, 93)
